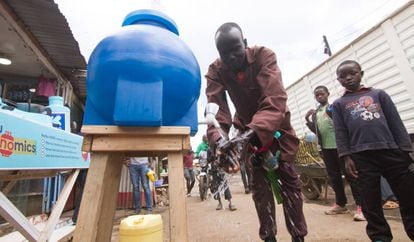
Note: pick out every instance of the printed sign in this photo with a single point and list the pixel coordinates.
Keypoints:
(26, 144)
(59, 118)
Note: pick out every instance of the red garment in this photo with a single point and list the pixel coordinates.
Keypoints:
(188, 160)
(46, 87)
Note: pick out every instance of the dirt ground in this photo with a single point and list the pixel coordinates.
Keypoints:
(206, 224)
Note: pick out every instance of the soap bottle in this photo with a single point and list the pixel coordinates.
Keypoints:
(60, 113)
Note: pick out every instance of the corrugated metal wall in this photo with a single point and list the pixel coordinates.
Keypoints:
(125, 199)
(386, 54)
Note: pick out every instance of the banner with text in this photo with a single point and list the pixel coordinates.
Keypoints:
(31, 145)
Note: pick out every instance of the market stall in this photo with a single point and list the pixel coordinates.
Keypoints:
(39, 59)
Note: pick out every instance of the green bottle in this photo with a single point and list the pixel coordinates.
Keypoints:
(273, 176)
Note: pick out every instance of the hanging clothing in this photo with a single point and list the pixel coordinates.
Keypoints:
(46, 87)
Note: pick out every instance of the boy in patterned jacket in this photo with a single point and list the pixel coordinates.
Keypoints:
(372, 140)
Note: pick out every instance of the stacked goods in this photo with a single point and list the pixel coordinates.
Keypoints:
(307, 154)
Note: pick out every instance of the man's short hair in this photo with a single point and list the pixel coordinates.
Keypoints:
(226, 27)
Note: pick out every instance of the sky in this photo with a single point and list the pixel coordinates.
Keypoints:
(293, 29)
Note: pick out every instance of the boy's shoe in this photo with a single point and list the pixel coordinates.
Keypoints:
(219, 206)
(359, 216)
(336, 209)
(390, 205)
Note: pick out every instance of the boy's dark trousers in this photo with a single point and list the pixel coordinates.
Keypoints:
(335, 168)
(393, 166)
(265, 203)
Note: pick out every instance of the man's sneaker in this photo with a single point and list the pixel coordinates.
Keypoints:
(336, 209)
(270, 239)
(298, 239)
(359, 216)
(219, 206)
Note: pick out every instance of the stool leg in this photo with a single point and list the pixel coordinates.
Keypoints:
(99, 198)
(178, 211)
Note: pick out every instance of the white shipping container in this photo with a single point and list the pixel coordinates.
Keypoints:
(386, 54)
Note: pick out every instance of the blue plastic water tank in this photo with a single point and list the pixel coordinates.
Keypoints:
(143, 75)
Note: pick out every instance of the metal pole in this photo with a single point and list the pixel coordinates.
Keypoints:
(327, 49)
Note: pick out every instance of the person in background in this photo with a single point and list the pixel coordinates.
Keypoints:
(252, 79)
(138, 168)
(189, 171)
(373, 141)
(220, 183)
(203, 146)
(321, 124)
(389, 201)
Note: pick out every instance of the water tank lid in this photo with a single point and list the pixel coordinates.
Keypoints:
(151, 16)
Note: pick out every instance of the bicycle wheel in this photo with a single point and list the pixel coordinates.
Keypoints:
(310, 189)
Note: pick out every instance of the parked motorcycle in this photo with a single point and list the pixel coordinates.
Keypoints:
(204, 175)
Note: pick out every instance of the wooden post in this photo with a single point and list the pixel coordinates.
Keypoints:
(99, 198)
(108, 144)
(18, 220)
(178, 211)
(58, 207)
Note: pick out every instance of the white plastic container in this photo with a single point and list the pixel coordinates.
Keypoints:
(60, 113)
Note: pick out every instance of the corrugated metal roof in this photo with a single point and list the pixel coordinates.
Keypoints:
(51, 29)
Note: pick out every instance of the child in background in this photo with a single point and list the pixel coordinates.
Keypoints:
(373, 142)
(220, 183)
(321, 124)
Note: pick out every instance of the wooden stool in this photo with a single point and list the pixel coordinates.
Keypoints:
(108, 145)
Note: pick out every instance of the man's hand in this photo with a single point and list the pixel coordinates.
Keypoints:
(308, 114)
(228, 151)
(221, 145)
(239, 141)
(350, 166)
(244, 137)
(226, 156)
